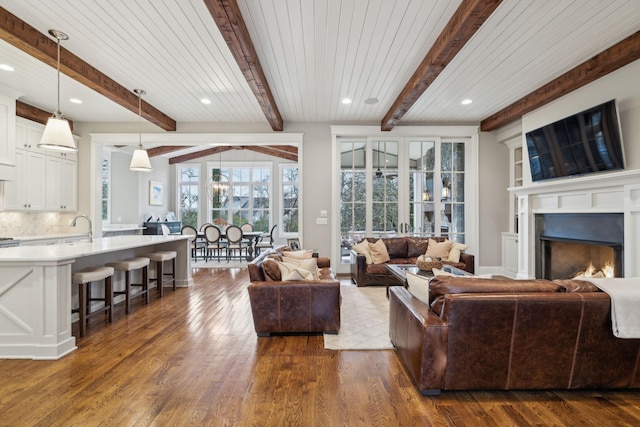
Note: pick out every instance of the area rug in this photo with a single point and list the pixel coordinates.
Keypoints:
(221, 264)
(364, 320)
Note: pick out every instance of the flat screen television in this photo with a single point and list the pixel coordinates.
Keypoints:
(587, 142)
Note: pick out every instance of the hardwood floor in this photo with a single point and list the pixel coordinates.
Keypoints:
(192, 358)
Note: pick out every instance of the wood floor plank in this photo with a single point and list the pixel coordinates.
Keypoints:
(193, 358)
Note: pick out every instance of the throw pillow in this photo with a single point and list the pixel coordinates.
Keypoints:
(439, 249)
(379, 254)
(310, 264)
(271, 271)
(301, 254)
(363, 248)
(293, 272)
(454, 253)
(419, 286)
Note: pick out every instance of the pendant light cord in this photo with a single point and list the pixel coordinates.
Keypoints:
(58, 114)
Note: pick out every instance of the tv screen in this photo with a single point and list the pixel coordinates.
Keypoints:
(587, 142)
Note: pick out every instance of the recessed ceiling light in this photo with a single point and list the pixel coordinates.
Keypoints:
(6, 67)
(466, 101)
(76, 100)
(371, 101)
(205, 101)
(346, 101)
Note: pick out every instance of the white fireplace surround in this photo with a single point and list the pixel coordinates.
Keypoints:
(617, 192)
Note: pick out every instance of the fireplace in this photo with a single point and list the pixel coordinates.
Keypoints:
(567, 244)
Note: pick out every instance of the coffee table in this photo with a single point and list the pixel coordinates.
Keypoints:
(399, 273)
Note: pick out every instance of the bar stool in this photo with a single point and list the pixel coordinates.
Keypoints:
(159, 258)
(129, 265)
(84, 279)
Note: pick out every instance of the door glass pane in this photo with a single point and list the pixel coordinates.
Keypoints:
(353, 195)
(421, 198)
(384, 196)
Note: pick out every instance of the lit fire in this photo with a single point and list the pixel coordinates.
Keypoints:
(606, 271)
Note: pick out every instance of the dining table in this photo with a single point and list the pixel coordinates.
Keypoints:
(250, 236)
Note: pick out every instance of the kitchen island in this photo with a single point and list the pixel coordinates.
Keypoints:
(36, 293)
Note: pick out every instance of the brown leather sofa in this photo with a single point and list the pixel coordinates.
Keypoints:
(402, 250)
(498, 334)
(292, 306)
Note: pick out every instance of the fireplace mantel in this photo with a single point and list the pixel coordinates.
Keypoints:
(617, 192)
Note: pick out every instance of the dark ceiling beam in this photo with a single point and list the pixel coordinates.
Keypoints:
(271, 152)
(197, 154)
(23, 36)
(281, 151)
(35, 114)
(228, 18)
(617, 56)
(165, 149)
(461, 27)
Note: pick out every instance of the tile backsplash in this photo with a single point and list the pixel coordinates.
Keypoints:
(17, 224)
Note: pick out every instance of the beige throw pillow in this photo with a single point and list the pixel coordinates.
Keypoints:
(419, 286)
(379, 254)
(363, 248)
(301, 254)
(310, 264)
(454, 253)
(439, 249)
(291, 272)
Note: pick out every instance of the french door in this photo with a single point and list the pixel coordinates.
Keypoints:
(401, 186)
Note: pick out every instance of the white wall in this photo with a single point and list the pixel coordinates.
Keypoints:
(493, 198)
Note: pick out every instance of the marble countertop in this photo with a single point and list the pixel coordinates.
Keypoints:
(66, 251)
(49, 236)
(121, 227)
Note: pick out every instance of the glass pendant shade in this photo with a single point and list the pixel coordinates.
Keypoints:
(57, 136)
(140, 161)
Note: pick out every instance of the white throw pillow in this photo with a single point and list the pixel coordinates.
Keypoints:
(290, 271)
(419, 286)
(301, 254)
(311, 265)
(363, 248)
(454, 253)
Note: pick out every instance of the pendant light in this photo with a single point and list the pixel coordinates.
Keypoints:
(140, 160)
(57, 134)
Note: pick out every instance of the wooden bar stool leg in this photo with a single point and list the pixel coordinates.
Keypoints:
(173, 272)
(145, 283)
(127, 290)
(82, 309)
(108, 295)
(160, 276)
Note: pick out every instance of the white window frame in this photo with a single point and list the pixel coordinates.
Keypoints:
(106, 155)
(201, 189)
(281, 183)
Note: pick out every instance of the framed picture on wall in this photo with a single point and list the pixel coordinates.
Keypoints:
(155, 193)
(294, 244)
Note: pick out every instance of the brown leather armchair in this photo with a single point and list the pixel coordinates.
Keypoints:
(293, 306)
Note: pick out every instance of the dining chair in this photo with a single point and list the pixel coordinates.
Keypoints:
(196, 244)
(235, 241)
(213, 236)
(246, 227)
(264, 244)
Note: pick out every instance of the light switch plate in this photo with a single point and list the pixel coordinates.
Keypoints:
(321, 221)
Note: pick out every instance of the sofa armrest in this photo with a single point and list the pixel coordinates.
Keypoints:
(324, 262)
(358, 267)
(420, 338)
(469, 261)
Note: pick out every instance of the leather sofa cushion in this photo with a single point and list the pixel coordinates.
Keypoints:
(443, 285)
(416, 246)
(271, 271)
(580, 286)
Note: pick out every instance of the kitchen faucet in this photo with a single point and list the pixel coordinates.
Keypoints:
(73, 224)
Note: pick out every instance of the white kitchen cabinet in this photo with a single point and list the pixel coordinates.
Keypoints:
(7, 137)
(62, 184)
(27, 192)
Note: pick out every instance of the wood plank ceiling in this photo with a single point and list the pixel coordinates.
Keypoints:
(273, 62)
